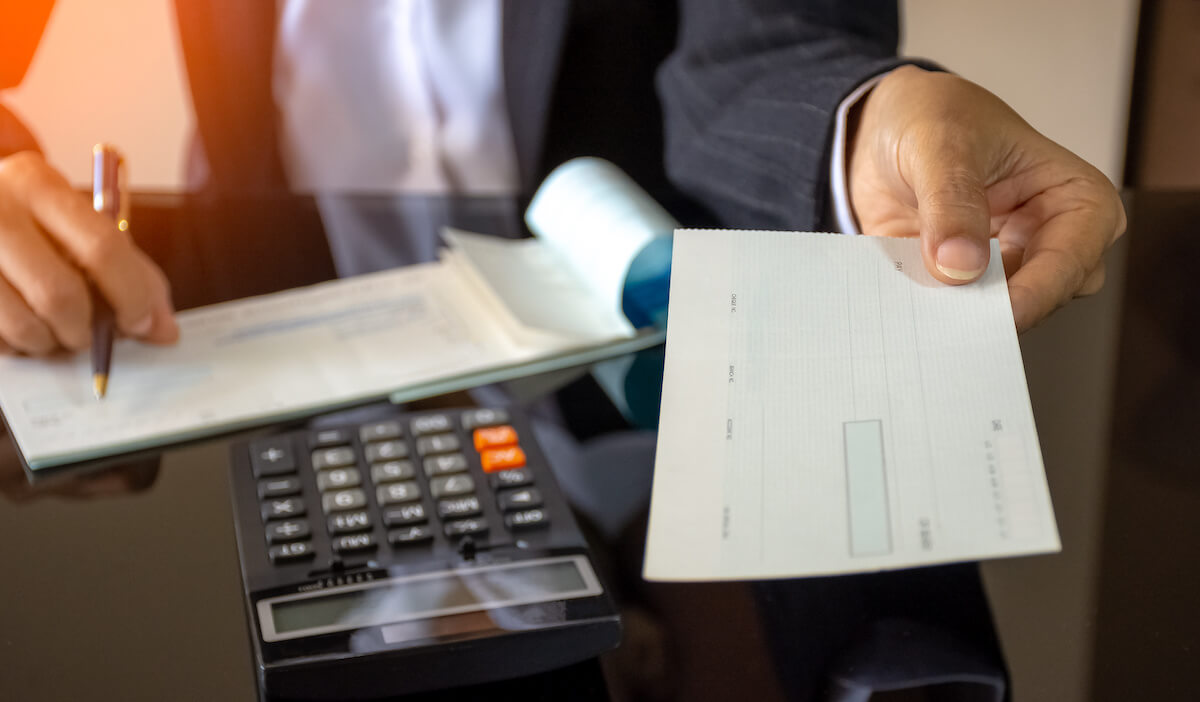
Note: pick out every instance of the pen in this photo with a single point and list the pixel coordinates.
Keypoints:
(107, 171)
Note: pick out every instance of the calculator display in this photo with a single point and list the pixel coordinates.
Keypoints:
(425, 596)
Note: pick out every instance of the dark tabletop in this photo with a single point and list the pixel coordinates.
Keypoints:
(123, 583)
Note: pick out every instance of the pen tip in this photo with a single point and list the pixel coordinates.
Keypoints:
(100, 385)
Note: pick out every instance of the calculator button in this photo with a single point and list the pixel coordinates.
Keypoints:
(278, 487)
(528, 519)
(392, 471)
(443, 465)
(285, 508)
(272, 457)
(325, 438)
(338, 478)
(386, 451)
(439, 443)
(291, 552)
(342, 500)
(410, 535)
(353, 542)
(473, 419)
(492, 437)
(516, 477)
(333, 457)
(404, 514)
(291, 530)
(451, 485)
(520, 499)
(459, 507)
(392, 493)
(347, 522)
(431, 424)
(380, 431)
(464, 527)
(502, 458)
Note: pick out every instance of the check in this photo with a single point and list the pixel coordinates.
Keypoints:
(829, 407)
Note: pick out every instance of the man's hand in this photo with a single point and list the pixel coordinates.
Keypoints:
(938, 157)
(51, 243)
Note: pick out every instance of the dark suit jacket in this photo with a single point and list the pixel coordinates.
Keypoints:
(720, 108)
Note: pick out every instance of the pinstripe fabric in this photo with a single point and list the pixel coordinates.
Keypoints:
(749, 97)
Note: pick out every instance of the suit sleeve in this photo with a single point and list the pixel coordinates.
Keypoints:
(20, 34)
(749, 97)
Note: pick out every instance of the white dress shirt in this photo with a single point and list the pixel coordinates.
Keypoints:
(393, 96)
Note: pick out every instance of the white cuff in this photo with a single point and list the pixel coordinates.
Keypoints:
(840, 189)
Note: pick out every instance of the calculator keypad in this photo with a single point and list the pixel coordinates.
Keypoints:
(272, 457)
(438, 443)
(495, 459)
(333, 457)
(347, 522)
(394, 493)
(279, 487)
(413, 476)
(339, 500)
(338, 478)
(392, 471)
(404, 514)
(291, 530)
(284, 508)
(408, 536)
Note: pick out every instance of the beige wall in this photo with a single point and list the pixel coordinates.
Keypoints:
(1065, 65)
(109, 71)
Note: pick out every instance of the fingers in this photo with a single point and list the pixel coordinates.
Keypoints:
(51, 243)
(1063, 260)
(20, 327)
(42, 283)
(92, 241)
(1093, 283)
(952, 207)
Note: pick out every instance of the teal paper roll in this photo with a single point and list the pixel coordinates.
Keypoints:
(647, 284)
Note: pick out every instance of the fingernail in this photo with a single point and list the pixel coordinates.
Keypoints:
(142, 328)
(961, 259)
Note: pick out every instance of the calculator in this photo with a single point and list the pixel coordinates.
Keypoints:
(422, 551)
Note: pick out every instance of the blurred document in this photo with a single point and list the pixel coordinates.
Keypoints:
(829, 407)
(407, 333)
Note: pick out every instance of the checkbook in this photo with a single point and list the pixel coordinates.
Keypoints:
(829, 407)
(476, 316)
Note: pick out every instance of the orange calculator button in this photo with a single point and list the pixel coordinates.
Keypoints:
(498, 459)
(491, 437)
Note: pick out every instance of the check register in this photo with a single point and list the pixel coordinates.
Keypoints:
(424, 551)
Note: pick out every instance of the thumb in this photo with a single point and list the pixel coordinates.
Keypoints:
(953, 213)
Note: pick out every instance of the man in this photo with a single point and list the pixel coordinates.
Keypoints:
(756, 114)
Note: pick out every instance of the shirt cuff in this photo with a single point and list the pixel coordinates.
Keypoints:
(843, 213)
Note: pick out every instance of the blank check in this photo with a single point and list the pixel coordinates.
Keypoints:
(829, 407)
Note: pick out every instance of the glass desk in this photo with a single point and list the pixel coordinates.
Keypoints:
(123, 584)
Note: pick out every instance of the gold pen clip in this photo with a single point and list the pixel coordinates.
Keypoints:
(108, 177)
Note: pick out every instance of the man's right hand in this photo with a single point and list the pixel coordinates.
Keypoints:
(51, 243)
